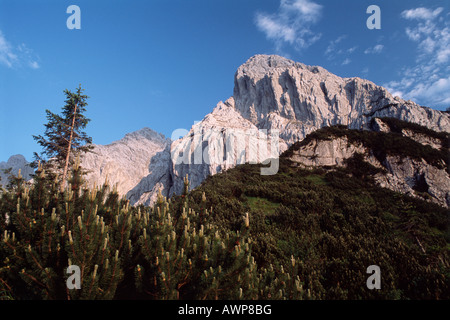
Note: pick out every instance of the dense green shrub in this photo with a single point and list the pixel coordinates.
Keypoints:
(168, 251)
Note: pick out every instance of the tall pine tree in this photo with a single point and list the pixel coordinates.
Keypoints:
(64, 138)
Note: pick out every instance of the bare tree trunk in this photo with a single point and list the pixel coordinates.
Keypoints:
(66, 165)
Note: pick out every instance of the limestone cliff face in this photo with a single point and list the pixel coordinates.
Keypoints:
(321, 153)
(222, 140)
(415, 178)
(401, 174)
(124, 163)
(276, 93)
(158, 177)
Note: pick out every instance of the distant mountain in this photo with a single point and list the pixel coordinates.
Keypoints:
(15, 163)
(276, 102)
(126, 162)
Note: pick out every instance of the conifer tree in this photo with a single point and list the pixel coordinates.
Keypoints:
(64, 138)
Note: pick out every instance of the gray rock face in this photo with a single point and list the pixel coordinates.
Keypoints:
(222, 140)
(329, 153)
(276, 93)
(405, 175)
(400, 174)
(15, 163)
(126, 162)
(159, 177)
(422, 138)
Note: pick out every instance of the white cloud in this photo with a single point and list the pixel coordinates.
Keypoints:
(443, 55)
(275, 30)
(352, 49)
(34, 65)
(308, 10)
(14, 56)
(421, 13)
(337, 50)
(346, 61)
(7, 55)
(431, 34)
(435, 90)
(332, 46)
(291, 23)
(376, 49)
(426, 82)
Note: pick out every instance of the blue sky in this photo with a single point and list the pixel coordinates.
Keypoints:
(164, 64)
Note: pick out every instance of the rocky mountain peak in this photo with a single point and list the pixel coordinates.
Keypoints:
(224, 115)
(144, 133)
(124, 163)
(15, 163)
(16, 160)
(261, 65)
(305, 98)
(273, 97)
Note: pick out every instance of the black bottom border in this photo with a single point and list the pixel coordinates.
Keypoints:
(224, 309)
